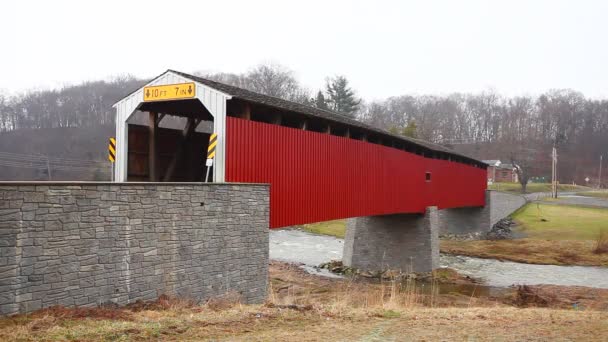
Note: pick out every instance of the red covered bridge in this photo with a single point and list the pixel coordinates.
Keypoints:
(320, 165)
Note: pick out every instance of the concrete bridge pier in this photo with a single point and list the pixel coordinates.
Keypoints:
(406, 242)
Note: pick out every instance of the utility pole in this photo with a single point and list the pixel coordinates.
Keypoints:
(554, 172)
(599, 178)
(48, 167)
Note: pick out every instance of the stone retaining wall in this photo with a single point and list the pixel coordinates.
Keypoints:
(87, 244)
(480, 219)
(504, 204)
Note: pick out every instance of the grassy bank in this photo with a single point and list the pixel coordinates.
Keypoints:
(534, 187)
(558, 222)
(303, 307)
(531, 251)
(335, 228)
(598, 194)
(557, 235)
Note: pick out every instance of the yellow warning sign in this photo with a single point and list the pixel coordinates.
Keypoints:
(170, 92)
(211, 147)
(112, 150)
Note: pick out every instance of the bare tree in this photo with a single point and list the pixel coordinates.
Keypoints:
(270, 79)
(4, 115)
(378, 115)
(273, 80)
(236, 80)
(522, 168)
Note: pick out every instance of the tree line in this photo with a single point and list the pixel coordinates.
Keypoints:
(520, 129)
(90, 104)
(85, 105)
(485, 125)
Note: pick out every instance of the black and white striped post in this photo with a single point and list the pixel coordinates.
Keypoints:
(210, 154)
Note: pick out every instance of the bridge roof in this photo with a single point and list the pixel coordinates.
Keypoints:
(328, 115)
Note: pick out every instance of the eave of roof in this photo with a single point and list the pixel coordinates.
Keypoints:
(491, 162)
(328, 115)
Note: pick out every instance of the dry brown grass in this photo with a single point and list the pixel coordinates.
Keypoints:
(601, 244)
(492, 324)
(163, 302)
(302, 307)
(291, 285)
(561, 297)
(532, 251)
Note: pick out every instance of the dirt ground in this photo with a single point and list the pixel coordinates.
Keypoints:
(303, 307)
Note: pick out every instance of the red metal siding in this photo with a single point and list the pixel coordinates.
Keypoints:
(318, 177)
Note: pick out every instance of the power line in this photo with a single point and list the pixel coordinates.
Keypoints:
(44, 167)
(35, 158)
(40, 162)
(24, 166)
(53, 160)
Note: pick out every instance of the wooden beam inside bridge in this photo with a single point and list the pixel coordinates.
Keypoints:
(247, 111)
(152, 139)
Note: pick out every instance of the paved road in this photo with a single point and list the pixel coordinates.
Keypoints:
(535, 196)
(582, 200)
(569, 198)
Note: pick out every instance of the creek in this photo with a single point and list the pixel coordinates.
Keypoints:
(296, 246)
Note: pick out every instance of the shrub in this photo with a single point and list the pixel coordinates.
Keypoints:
(601, 243)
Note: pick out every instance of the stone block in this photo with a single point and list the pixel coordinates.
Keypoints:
(32, 251)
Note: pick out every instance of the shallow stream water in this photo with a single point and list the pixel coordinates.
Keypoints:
(297, 246)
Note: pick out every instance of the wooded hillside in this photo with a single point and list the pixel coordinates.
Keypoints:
(75, 122)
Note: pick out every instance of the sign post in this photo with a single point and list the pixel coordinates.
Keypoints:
(112, 155)
(210, 155)
(599, 178)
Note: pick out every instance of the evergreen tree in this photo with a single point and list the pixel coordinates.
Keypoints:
(319, 101)
(341, 97)
(410, 129)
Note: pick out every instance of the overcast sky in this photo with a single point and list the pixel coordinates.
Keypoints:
(384, 47)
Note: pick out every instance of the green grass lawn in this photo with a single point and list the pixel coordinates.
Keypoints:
(558, 222)
(555, 235)
(335, 228)
(534, 187)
